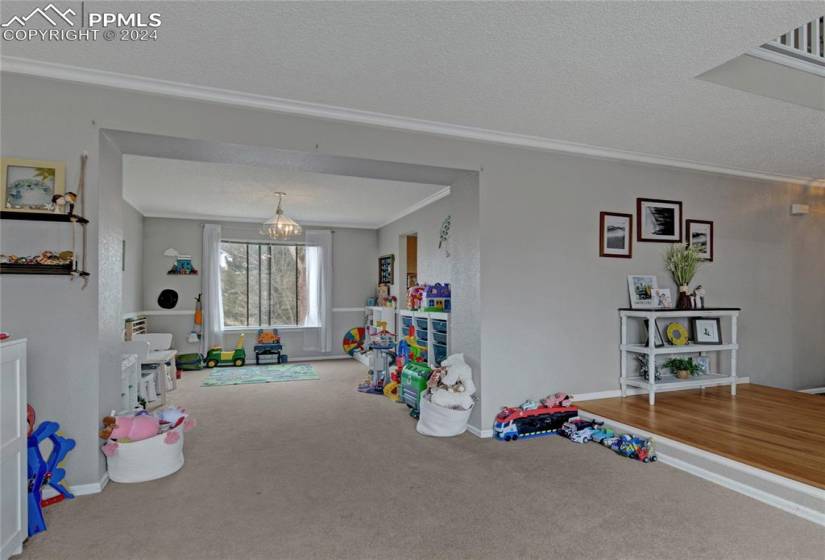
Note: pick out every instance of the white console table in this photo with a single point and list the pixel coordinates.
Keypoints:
(651, 385)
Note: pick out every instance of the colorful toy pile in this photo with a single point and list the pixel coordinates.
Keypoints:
(556, 415)
(118, 430)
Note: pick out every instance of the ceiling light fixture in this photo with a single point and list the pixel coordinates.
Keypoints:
(280, 226)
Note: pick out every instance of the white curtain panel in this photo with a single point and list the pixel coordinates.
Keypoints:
(211, 288)
(318, 331)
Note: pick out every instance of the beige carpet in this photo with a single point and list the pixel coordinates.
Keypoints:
(313, 469)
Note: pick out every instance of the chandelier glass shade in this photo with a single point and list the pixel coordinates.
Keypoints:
(280, 226)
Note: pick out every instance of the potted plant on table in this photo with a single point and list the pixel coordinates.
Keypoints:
(682, 261)
(683, 368)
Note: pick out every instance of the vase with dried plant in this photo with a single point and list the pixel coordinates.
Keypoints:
(682, 261)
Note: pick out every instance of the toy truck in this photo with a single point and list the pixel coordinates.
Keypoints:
(414, 379)
(220, 357)
(523, 422)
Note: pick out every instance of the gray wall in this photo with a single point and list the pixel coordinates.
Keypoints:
(547, 301)
(133, 275)
(354, 254)
(433, 264)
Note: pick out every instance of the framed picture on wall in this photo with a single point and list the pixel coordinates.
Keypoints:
(699, 234)
(658, 220)
(615, 235)
(386, 269)
(29, 185)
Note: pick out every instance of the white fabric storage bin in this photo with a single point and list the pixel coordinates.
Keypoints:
(438, 421)
(147, 459)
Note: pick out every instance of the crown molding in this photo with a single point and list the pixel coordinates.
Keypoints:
(418, 206)
(248, 220)
(116, 80)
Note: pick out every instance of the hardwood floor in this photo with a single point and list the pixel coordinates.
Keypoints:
(772, 429)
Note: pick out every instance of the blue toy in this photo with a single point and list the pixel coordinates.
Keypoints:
(46, 472)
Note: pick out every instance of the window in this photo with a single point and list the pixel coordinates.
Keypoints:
(263, 284)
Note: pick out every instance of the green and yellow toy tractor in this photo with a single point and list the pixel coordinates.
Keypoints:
(220, 357)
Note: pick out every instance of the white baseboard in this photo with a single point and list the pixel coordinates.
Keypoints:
(813, 390)
(633, 391)
(767, 480)
(93, 488)
(317, 358)
(479, 432)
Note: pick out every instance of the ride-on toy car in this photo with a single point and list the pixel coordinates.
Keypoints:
(220, 357)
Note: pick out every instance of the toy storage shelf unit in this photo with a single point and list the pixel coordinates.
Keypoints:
(648, 318)
(432, 331)
(47, 269)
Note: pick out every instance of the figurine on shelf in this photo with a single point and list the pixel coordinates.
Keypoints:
(698, 297)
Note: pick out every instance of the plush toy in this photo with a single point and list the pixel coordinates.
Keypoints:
(457, 387)
(133, 428)
(171, 415)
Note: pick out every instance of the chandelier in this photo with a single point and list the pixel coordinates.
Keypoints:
(280, 226)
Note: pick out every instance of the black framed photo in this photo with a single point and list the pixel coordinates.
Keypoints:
(658, 221)
(707, 330)
(699, 234)
(659, 342)
(386, 269)
(615, 235)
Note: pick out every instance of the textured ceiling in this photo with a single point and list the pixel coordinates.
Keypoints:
(619, 75)
(169, 187)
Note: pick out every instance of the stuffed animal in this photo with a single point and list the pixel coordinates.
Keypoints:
(131, 428)
(458, 381)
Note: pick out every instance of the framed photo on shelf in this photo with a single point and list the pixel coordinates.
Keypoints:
(641, 291)
(615, 235)
(659, 342)
(662, 298)
(658, 220)
(28, 185)
(707, 330)
(386, 269)
(704, 364)
(699, 234)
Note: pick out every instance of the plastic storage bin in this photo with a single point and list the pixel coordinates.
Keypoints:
(440, 338)
(421, 323)
(439, 326)
(439, 353)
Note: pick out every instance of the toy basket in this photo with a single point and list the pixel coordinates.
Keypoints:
(147, 459)
(441, 422)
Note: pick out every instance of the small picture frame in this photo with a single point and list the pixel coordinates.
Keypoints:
(659, 342)
(662, 298)
(704, 364)
(640, 287)
(615, 235)
(707, 330)
(386, 269)
(658, 221)
(699, 234)
(28, 185)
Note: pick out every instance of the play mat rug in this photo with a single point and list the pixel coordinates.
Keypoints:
(269, 373)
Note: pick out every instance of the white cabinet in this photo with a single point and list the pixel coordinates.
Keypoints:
(13, 448)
